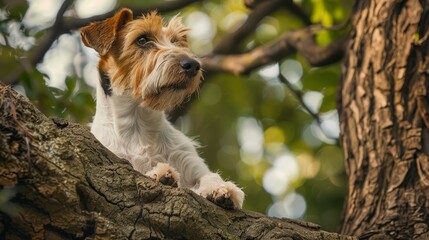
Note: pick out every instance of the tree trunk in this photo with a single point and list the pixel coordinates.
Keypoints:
(68, 186)
(384, 118)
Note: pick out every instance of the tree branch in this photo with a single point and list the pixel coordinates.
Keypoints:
(293, 7)
(299, 96)
(301, 41)
(228, 44)
(69, 186)
(75, 23)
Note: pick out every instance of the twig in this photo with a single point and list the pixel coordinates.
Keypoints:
(39, 51)
(298, 94)
(75, 23)
(299, 12)
(228, 45)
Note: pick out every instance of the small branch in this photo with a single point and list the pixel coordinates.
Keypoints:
(293, 7)
(251, 3)
(52, 34)
(301, 41)
(40, 50)
(229, 43)
(75, 23)
(299, 95)
(299, 12)
(59, 17)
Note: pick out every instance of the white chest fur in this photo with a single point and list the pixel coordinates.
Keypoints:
(142, 136)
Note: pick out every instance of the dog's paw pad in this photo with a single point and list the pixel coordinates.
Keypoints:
(227, 196)
(168, 180)
(165, 174)
(223, 201)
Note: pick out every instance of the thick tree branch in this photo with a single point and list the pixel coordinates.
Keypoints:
(301, 41)
(69, 186)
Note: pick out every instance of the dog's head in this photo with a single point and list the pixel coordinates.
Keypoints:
(145, 58)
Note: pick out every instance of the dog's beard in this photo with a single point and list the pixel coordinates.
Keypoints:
(164, 90)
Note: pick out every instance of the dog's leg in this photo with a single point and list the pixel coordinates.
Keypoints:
(165, 174)
(225, 194)
(195, 174)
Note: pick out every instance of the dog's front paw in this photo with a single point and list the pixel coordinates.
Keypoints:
(226, 195)
(165, 174)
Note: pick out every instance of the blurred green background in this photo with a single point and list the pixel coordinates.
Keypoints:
(252, 128)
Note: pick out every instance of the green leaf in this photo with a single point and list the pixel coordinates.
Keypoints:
(83, 99)
(324, 37)
(318, 79)
(56, 91)
(71, 85)
(329, 100)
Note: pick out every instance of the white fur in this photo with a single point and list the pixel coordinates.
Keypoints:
(145, 138)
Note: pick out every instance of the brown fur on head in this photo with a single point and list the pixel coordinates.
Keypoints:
(144, 58)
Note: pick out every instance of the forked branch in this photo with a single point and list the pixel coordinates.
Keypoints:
(301, 41)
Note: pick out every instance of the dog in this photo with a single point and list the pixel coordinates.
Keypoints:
(146, 68)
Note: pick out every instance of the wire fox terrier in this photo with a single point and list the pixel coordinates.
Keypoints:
(146, 68)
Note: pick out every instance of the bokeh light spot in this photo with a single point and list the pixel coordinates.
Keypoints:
(251, 140)
(292, 70)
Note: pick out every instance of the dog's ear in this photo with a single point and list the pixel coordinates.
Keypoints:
(100, 35)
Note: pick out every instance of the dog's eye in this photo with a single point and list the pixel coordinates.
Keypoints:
(142, 40)
(174, 40)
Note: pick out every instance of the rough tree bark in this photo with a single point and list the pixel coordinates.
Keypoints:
(68, 186)
(384, 116)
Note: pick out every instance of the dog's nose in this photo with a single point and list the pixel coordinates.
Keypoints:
(190, 66)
